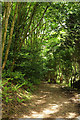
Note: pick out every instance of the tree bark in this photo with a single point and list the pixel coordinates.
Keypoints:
(4, 14)
(6, 24)
(10, 38)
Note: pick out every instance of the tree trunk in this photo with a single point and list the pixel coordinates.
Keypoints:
(31, 17)
(16, 44)
(27, 29)
(10, 38)
(6, 24)
(4, 14)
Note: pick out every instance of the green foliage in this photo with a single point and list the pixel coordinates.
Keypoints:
(45, 45)
(20, 100)
(10, 90)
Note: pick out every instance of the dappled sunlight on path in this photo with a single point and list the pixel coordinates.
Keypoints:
(50, 101)
(52, 108)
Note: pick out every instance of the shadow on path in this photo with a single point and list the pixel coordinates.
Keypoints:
(49, 101)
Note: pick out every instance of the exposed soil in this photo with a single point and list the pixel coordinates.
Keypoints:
(49, 101)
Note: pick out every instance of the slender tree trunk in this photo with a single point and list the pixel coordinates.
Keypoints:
(40, 20)
(16, 38)
(6, 24)
(17, 34)
(4, 14)
(25, 35)
(10, 38)
(31, 17)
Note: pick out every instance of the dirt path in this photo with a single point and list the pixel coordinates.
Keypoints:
(50, 101)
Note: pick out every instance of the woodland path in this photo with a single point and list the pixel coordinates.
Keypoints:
(49, 101)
